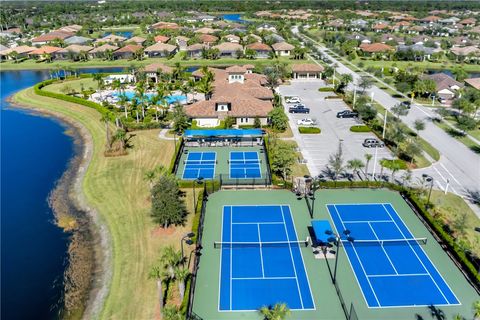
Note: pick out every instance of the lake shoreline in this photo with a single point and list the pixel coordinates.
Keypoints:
(67, 198)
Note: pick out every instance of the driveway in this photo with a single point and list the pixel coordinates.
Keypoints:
(316, 148)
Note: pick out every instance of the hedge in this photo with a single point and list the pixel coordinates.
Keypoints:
(309, 130)
(326, 89)
(360, 128)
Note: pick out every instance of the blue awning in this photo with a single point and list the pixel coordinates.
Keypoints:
(319, 228)
(229, 133)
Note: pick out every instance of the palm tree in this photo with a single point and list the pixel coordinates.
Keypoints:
(395, 166)
(458, 316)
(368, 157)
(123, 102)
(150, 176)
(191, 84)
(157, 273)
(178, 71)
(105, 119)
(272, 77)
(14, 55)
(181, 275)
(172, 313)
(140, 96)
(98, 77)
(279, 311)
(205, 87)
(476, 309)
(355, 165)
(171, 258)
(121, 136)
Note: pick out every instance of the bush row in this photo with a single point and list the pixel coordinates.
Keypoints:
(360, 128)
(309, 130)
(326, 89)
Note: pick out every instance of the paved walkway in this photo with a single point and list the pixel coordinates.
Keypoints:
(162, 135)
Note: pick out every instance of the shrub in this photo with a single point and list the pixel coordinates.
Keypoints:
(332, 97)
(309, 130)
(360, 128)
(325, 89)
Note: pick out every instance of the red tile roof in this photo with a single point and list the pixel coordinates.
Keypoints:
(375, 47)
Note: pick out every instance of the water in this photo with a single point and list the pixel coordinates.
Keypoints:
(235, 17)
(169, 99)
(126, 34)
(450, 73)
(34, 154)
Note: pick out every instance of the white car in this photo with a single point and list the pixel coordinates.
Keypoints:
(306, 122)
(293, 100)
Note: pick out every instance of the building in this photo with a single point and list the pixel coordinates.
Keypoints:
(160, 50)
(44, 52)
(164, 26)
(262, 50)
(101, 52)
(283, 49)
(137, 40)
(307, 71)
(73, 52)
(161, 38)
(447, 87)
(51, 36)
(370, 48)
(228, 49)
(111, 38)
(77, 40)
(196, 50)
(127, 52)
(123, 78)
(207, 39)
(154, 71)
(473, 82)
(19, 52)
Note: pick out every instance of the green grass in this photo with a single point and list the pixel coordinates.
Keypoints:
(75, 84)
(116, 188)
(421, 64)
(309, 130)
(457, 135)
(360, 128)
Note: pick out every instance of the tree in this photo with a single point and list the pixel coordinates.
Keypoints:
(106, 119)
(167, 205)
(399, 110)
(150, 176)
(460, 222)
(336, 162)
(171, 259)
(465, 123)
(460, 74)
(257, 123)
(279, 311)
(228, 122)
(180, 119)
(412, 149)
(366, 111)
(476, 309)
(368, 157)
(345, 79)
(158, 273)
(205, 86)
(250, 54)
(278, 119)
(282, 157)
(273, 77)
(171, 312)
(181, 275)
(355, 165)
(419, 125)
(365, 83)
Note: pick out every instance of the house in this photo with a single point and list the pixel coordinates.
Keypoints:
(307, 71)
(420, 51)
(164, 26)
(254, 37)
(236, 94)
(51, 36)
(375, 48)
(73, 28)
(430, 19)
(154, 71)
(207, 39)
(266, 27)
(137, 40)
(77, 40)
(19, 52)
(123, 78)
(449, 21)
(282, 49)
(388, 37)
(262, 50)
(358, 25)
(421, 39)
(206, 30)
(73, 52)
(359, 37)
(160, 50)
(111, 38)
(232, 38)
(447, 87)
(195, 50)
(228, 49)
(469, 22)
(44, 52)
(182, 43)
(471, 52)
(473, 82)
(161, 38)
(380, 27)
(101, 52)
(461, 41)
(274, 38)
(416, 29)
(127, 52)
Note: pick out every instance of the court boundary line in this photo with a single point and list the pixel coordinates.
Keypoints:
(301, 255)
(231, 256)
(221, 254)
(426, 255)
(230, 165)
(260, 248)
(383, 248)
(202, 152)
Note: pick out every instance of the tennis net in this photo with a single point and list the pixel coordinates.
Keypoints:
(375, 242)
(254, 161)
(200, 162)
(219, 244)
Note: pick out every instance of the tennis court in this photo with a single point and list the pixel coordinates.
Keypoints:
(261, 260)
(199, 164)
(244, 165)
(389, 263)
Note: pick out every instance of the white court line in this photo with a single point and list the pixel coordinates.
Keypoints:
(231, 254)
(366, 221)
(291, 258)
(264, 278)
(398, 275)
(420, 260)
(358, 258)
(260, 248)
(221, 265)
(381, 245)
(257, 222)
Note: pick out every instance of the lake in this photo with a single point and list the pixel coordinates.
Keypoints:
(450, 73)
(234, 17)
(35, 152)
(126, 34)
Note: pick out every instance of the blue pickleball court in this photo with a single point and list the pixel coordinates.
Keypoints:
(261, 260)
(390, 265)
(244, 165)
(200, 164)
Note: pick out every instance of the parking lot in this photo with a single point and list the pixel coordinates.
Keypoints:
(316, 148)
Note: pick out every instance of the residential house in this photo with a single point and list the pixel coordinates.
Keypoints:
(266, 27)
(388, 37)
(228, 49)
(274, 38)
(468, 22)
(101, 51)
(154, 71)
(470, 52)
(160, 50)
(51, 36)
(375, 48)
(473, 82)
(359, 37)
(430, 19)
(232, 38)
(381, 27)
(461, 41)
(307, 71)
(137, 40)
(77, 40)
(111, 38)
(73, 52)
(419, 51)
(195, 50)
(164, 26)
(161, 38)
(206, 30)
(182, 43)
(421, 39)
(123, 78)
(207, 39)
(447, 87)
(358, 25)
(282, 49)
(18, 52)
(44, 52)
(73, 28)
(127, 52)
(262, 50)
(449, 21)
(416, 29)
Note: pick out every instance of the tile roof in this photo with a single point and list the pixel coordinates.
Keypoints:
(103, 48)
(160, 47)
(161, 38)
(444, 81)
(241, 106)
(165, 25)
(307, 67)
(45, 50)
(129, 48)
(228, 47)
(207, 38)
(19, 50)
(196, 47)
(257, 46)
(75, 48)
(465, 51)
(62, 35)
(474, 82)
(154, 67)
(137, 39)
(375, 47)
(111, 38)
(279, 46)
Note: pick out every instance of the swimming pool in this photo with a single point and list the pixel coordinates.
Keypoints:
(169, 99)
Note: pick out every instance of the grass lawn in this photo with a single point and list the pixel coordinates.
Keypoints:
(421, 64)
(116, 187)
(74, 84)
(450, 207)
(463, 139)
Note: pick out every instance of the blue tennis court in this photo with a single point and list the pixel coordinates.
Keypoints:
(200, 164)
(390, 265)
(244, 165)
(261, 260)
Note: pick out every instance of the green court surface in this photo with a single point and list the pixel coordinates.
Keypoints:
(326, 300)
(222, 166)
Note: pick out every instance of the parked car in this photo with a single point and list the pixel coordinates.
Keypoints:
(292, 100)
(306, 122)
(406, 104)
(347, 114)
(442, 100)
(372, 143)
(299, 108)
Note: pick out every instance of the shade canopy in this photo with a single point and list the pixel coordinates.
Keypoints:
(319, 228)
(227, 133)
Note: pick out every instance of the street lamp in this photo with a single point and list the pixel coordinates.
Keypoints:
(313, 188)
(428, 178)
(199, 180)
(188, 240)
(336, 240)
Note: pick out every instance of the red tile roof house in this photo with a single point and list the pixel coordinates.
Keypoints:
(380, 27)
(153, 71)
(207, 39)
(237, 94)
(164, 26)
(160, 50)
(375, 48)
(282, 49)
(137, 40)
(100, 52)
(447, 87)
(470, 53)
(228, 49)
(307, 71)
(262, 50)
(22, 52)
(111, 38)
(195, 50)
(43, 52)
(473, 82)
(160, 38)
(73, 52)
(51, 36)
(127, 52)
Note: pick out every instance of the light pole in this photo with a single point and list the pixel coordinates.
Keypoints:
(199, 180)
(188, 240)
(428, 178)
(336, 239)
(313, 188)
